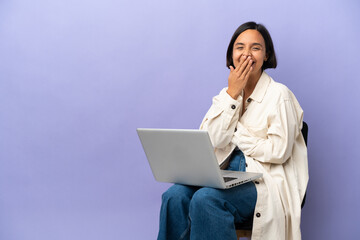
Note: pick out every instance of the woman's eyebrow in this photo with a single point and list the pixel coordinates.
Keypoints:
(253, 44)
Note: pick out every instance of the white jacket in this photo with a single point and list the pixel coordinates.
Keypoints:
(269, 134)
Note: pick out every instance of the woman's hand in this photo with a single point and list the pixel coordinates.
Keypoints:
(239, 76)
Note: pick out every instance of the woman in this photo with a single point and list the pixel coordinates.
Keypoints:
(255, 125)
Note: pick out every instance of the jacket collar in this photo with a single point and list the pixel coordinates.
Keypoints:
(261, 87)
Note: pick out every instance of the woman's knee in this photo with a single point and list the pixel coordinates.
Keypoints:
(177, 193)
(203, 198)
(205, 206)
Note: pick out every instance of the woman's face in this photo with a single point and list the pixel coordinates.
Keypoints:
(250, 43)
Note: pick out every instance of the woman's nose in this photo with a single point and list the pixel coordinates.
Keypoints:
(246, 52)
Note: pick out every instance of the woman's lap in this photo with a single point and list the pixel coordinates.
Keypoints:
(207, 213)
(242, 198)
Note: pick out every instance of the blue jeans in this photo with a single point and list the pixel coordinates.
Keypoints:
(189, 212)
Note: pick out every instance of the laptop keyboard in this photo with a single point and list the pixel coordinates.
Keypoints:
(227, 179)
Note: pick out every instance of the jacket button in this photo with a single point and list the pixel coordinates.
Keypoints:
(235, 129)
(256, 182)
(258, 215)
(249, 100)
(246, 165)
(233, 106)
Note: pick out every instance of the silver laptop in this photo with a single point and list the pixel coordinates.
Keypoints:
(187, 157)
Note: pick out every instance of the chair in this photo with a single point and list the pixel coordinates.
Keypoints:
(244, 230)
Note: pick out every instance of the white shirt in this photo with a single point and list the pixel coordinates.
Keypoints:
(269, 135)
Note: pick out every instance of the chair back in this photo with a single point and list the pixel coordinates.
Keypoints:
(304, 132)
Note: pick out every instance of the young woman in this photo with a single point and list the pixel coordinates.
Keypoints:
(255, 125)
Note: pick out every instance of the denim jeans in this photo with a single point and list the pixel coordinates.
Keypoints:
(189, 212)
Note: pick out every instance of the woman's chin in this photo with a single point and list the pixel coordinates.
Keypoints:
(255, 72)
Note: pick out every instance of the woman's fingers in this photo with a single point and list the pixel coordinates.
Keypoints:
(243, 66)
(247, 74)
(247, 69)
(242, 60)
(239, 76)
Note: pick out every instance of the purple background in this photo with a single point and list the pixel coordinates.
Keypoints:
(78, 77)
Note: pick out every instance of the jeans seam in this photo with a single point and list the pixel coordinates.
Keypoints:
(187, 230)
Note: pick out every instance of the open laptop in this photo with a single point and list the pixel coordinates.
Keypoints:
(187, 157)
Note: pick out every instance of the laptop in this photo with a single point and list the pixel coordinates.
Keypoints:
(187, 157)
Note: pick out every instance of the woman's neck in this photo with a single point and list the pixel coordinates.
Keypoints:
(251, 84)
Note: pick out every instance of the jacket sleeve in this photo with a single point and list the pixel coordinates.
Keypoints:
(221, 119)
(276, 147)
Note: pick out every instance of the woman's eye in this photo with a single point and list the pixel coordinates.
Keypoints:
(256, 49)
(240, 48)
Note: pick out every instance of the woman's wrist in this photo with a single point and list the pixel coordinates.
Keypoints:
(233, 94)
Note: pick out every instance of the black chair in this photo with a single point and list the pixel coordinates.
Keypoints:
(244, 229)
